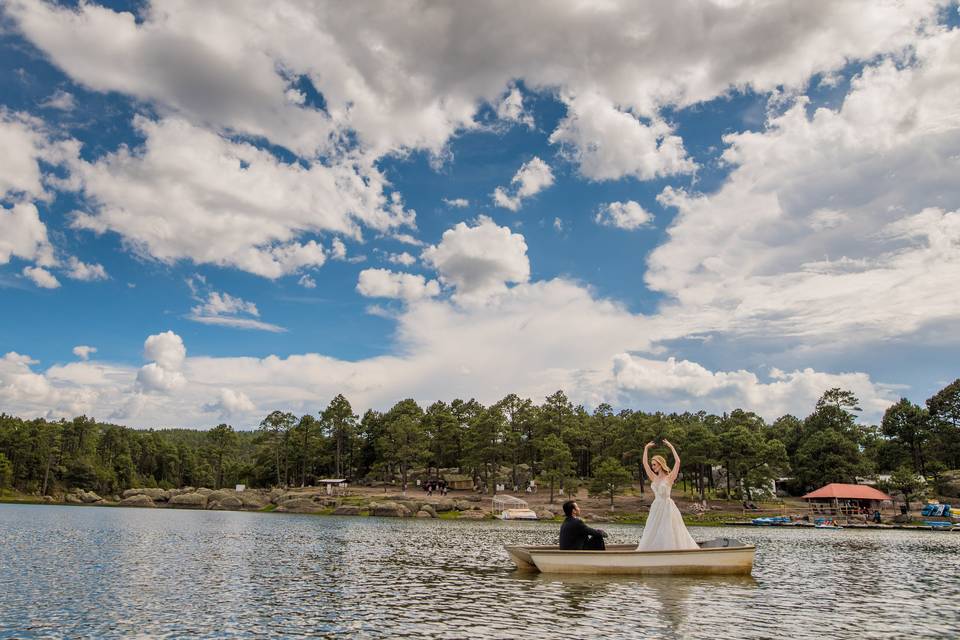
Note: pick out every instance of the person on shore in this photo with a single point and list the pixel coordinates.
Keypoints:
(664, 530)
(575, 535)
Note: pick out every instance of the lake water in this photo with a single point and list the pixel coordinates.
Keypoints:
(98, 572)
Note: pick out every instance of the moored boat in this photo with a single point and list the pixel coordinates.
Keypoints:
(724, 556)
(518, 514)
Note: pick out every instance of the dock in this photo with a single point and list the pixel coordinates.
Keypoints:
(883, 527)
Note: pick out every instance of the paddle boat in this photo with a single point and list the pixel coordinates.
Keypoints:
(822, 523)
(772, 521)
(720, 556)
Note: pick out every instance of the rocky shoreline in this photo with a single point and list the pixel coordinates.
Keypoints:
(310, 500)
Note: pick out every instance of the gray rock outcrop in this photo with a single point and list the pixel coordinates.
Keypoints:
(137, 500)
(389, 509)
(189, 501)
(347, 510)
(157, 495)
(443, 505)
(89, 497)
(253, 500)
(227, 503)
(299, 505)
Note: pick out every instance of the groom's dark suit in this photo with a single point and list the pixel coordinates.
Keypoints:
(576, 535)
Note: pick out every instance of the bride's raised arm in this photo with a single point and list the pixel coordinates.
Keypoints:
(646, 463)
(676, 461)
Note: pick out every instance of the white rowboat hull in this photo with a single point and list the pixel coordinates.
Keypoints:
(617, 560)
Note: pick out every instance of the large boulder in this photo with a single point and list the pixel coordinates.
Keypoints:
(465, 505)
(189, 501)
(299, 505)
(428, 509)
(442, 505)
(227, 503)
(72, 498)
(219, 494)
(137, 500)
(347, 510)
(389, 509)
(253, 500)
(410, 505)
(543, 514)
(89, 497)
(204, 491)
(157, 495)
(424, 514)
(948, 484)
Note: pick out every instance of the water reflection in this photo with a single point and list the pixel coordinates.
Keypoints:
(88, 572)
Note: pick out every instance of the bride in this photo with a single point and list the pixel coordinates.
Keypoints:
(664, 530)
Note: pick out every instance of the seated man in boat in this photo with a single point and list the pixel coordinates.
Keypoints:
(576, 535)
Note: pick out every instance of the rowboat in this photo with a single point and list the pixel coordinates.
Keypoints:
(518, 514)
(722, 556)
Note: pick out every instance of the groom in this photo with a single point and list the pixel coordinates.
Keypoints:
(576, 535)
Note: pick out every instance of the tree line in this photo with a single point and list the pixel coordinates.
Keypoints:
(511, 442)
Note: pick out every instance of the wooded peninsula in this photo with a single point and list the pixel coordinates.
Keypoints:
(513, 442)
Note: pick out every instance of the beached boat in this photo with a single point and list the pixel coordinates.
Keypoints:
(518, 514)
(510, 508)
(827, 526)
(722, 556)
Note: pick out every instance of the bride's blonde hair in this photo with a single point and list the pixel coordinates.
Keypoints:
(662, 462)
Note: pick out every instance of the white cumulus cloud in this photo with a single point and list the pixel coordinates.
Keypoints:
(83, 351)
(383, 283)
(41, 277)
(627, 215)
(225, 310)
(191, 194)
(481, 260)
(531, 178)
(78, 270)
(23, 235)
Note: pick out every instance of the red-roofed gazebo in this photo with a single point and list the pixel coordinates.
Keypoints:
(846, 499)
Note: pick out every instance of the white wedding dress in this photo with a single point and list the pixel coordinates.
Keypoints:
(665, 530)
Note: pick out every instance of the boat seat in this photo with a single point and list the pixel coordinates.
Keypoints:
(720, 542)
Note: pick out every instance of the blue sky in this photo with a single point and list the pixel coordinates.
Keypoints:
(794, 209)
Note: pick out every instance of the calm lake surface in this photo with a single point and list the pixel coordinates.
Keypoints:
(99, 572)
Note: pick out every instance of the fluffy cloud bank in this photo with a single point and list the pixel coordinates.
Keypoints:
(195, 190)
(843, 223)
(403, 84)
(191, 194)
(449, 352)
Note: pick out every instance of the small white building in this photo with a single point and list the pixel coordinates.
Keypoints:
(334, 486)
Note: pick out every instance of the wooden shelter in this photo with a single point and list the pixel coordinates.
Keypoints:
(846, 499)
(458, 482)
